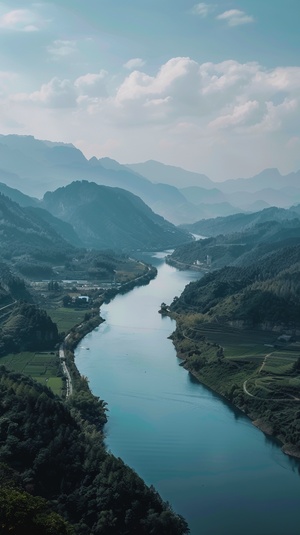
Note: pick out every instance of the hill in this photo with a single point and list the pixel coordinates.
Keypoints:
(105, 217)
(237, 330)
(53, 452)
(238, 248)
(240, 222)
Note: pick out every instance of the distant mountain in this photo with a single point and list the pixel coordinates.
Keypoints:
(17, 196)
(105, 217)
(168, 174)
(239, 222)
(198, 195)
(268, 178)
(35, 166)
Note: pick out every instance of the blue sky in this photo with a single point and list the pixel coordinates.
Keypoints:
(212, 86)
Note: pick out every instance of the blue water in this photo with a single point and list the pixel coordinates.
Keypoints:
(203, 456)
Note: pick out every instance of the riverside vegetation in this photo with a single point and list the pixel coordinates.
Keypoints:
(56, 475)
(238, 326)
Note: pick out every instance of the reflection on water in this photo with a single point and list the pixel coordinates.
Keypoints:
(203, 456)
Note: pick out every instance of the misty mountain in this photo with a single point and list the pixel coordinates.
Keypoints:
(27, 241)
(240, 248)
(105, 217)
(37, 166)
(17, 196)
(268, 178)
(64, 229)
(239, 222)
(168, 174)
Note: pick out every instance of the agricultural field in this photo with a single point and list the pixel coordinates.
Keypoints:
(67, 318)
(259, 363)
(44, 367)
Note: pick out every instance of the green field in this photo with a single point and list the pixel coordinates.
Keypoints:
(43, 367)
(257, 357)
(66, 318)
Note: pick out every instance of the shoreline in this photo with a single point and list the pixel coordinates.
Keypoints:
(86, 327)
(264, 426)
(78, 332)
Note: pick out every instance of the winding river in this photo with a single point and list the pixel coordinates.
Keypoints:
(203, 456)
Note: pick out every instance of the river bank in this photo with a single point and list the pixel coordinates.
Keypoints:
(205, 360)
(77, 334)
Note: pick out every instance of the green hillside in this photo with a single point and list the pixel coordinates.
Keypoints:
(56, 454)
(112, 217)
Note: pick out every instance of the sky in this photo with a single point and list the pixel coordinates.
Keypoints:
(212, 87)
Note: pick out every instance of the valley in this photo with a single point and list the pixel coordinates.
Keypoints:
(86, 245)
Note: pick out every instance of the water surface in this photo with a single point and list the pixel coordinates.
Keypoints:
(203, 456)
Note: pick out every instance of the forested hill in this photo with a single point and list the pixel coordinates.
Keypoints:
(21, 231)
(240, 222)
(59, 456)
(239, 248)
(105, 217)
(263, 294)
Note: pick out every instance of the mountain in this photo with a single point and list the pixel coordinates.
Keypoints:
(35, 166)
(239, 222)
(261, 263)
(268, 178)
(168, 174)
(29, 244)
(105, 217)
(21, 230)
(65, 230)
(17, 196)
(239, 248)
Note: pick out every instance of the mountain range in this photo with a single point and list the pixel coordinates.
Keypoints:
(34, 167)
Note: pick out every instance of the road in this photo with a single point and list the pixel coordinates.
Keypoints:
(66, 371)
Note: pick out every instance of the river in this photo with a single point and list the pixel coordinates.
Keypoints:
(203, 456)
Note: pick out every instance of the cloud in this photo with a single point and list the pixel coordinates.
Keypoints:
(221, 95)
(134, 63)
(61, 48)
(189, 110)
(239, 115)
(20, 20)
(92, 84)
(235, 17)
(202, 9)
(54, 94)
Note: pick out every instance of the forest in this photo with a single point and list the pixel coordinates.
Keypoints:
(49, 450)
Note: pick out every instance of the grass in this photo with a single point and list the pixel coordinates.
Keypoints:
(43, 367)
(66, 318)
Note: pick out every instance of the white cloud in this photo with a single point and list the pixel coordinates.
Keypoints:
(186, 109)
(235, 17)
(239, 115)
(62, 48)
(223, 94)
(202, 9)
(134, 63)
(54, 94)
(92, 84)
(20, 20)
